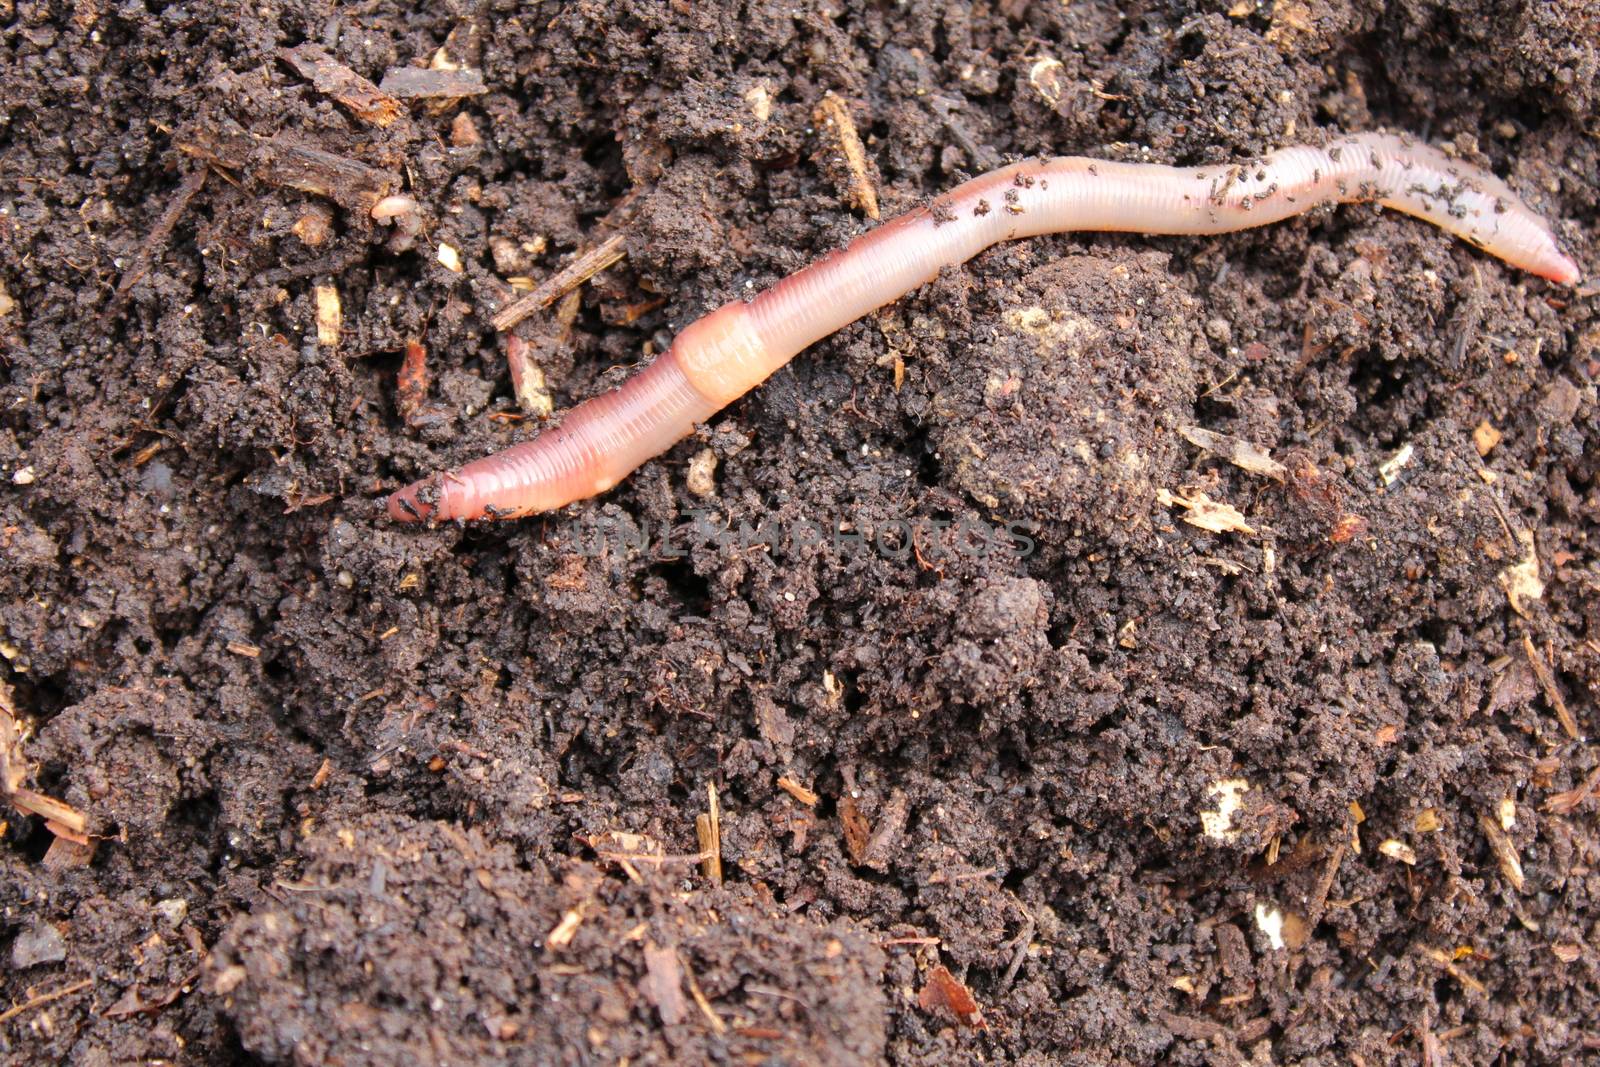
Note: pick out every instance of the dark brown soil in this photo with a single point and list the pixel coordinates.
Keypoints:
(370, 794)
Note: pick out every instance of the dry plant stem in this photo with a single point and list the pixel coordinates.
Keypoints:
(580, 270)
(720, 357)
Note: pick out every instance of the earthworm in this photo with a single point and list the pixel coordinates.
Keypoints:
(723, 355)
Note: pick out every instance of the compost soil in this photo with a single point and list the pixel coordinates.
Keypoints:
(965, 693)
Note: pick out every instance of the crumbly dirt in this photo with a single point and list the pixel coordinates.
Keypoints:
(1290, 788)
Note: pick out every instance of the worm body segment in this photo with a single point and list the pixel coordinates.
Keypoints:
(718, 358)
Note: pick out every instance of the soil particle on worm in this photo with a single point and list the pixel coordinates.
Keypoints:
(1160, 755)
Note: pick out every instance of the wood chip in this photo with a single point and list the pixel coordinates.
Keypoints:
(857, 831)
(798, 791)
(67, 833)
(574, 274)
(565, 930)
(1206, 513)
(1347, 528)
(891, 822)
(944, 993)
(464, 132)
(63, 818)
(67, 855)
(418, 83)
(527, 379)
(662, 984)
(1398, 850)
(1566, 803)
(1521, 580)
(1240, 453)
(51, 810)
(1191, 1028)
(1505, 851)
(330, 316)
(1547, 682)
(832, 116)
(287, 161)
(412, 381)
(1389, 470)
(1506, 812)
(369, 103)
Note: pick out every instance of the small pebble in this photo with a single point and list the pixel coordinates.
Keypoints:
(174, 910)
(38, 943)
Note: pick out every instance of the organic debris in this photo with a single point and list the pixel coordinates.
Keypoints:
(1240, 453)
(833, 116)
(366, 101)
(944, 993)
(1207, 514)
(585, 266)
(63, 820)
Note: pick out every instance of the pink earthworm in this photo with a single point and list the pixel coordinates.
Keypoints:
(718, 358)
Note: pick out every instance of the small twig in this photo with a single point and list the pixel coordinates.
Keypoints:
(645, 857)
(768, 991)
(327, 75)
(49, 808)
(1566, 803)
(1023, 940)
(157, 237)
(286, 161)
(709, 829)
(1448, 965)
(1319, 898)
(432, 83)
(44, 998)
(1505, 851)
(798, 791)
(717, 1025)
(61, 819)
(1547, 682)
(831, 114)
(335, 263)
(574, 274)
